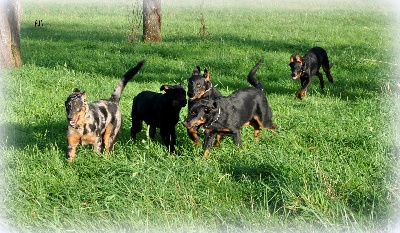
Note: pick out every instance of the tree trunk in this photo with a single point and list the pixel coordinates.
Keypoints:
(152, 20)
(10, 15)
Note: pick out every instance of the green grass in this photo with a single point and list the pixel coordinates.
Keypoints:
(331, 166)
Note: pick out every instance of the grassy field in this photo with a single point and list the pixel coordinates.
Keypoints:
(332, 166)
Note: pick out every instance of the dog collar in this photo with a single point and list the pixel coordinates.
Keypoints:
(208, 88)
(219, 113)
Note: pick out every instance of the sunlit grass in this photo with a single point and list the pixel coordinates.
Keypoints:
(330, 165)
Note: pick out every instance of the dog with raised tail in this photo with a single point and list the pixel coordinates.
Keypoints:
(225, 116)
(97, 123)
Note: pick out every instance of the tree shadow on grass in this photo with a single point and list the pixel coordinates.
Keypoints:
(42, 136)
(20, 136)
(268, 184)
(98, 51)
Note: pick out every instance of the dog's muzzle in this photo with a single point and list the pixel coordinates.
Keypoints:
(73, 122)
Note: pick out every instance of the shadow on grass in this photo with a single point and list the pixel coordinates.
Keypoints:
(270, 179)
(42, 136)
(21, 136)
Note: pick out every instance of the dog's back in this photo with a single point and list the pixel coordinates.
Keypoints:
(242, 106)
(316, 57)
(155, 108)
(147, 106)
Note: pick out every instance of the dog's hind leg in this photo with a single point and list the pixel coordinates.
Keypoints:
(237, 138)
(209, 136)
(169, 138)
(256, 125)
(327, 72)
(109, 137)
(152, 131)
(218, 140)
(136, 128)
(321, 80)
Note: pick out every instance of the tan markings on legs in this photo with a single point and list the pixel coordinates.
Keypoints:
(256, 123)
(194, 136)
(257, 119)
(218, 140)
(73, 141)
(301, 93)
(106, 138)
(206, 153)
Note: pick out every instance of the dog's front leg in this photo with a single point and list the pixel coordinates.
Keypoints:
(237, 138)
(209, 136)
(193, 134)
(97, 144)
(169, 138)
(305, 83)
(73, 142)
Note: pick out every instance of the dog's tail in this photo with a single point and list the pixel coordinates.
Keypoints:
(116, 95)
(250, 78)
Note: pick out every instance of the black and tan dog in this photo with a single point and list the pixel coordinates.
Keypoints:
(308, 66)
(200, 88)
(227, 115)
(97, 123)
(159, 111)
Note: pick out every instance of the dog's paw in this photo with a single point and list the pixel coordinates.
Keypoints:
(301, 93)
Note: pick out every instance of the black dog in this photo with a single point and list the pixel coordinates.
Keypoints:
(226, 115)
(200, 88)
(308, 66)
(159, 111)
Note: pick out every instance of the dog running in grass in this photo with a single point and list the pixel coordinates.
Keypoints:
(227, 115)
(97, 123)
(159, 111)
(308, 66)
(200, 88)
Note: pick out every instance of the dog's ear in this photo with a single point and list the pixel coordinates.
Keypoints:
(299, 59)
(164, 87)
(196, 71)
(296, 58)
(84, 96)
(293, 58)
(206, 74)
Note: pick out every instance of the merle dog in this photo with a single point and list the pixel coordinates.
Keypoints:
(97, 123)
